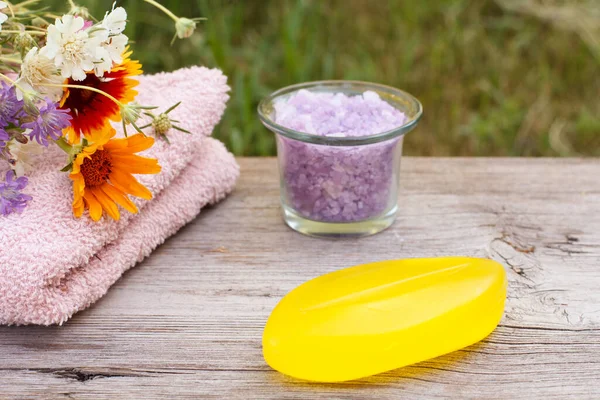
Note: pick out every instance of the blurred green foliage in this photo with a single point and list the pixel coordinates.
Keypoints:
(493, 79)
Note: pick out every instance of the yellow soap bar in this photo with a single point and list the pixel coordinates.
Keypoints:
(372, 318)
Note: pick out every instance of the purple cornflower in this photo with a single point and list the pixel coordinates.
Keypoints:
(49, 124)
(10, 107)
(11, 198)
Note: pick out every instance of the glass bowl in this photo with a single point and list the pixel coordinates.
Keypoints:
(340, 186)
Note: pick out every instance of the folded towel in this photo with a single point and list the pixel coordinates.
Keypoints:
(53, 265)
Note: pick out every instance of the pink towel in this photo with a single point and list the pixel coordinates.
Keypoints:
(53, 265)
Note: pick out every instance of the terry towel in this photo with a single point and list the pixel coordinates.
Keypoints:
(53, 265)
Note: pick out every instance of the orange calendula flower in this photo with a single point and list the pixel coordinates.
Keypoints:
(102, 175)
(92, 111)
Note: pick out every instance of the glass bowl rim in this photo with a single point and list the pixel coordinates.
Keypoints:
(409, 124)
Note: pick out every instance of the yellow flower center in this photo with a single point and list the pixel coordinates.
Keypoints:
(97, 168)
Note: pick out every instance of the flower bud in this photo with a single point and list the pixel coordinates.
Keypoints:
(24, 42)
(130, 113)
(185, 27)
(19, 137)
(161, 124)
(30, 99)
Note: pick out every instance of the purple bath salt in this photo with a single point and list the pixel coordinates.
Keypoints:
(339, 183)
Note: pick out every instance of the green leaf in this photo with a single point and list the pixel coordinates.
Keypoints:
(67, 168)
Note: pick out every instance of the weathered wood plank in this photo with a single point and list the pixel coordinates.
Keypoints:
(187, 322)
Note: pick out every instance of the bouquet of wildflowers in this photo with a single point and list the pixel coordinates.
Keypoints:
(63, 83)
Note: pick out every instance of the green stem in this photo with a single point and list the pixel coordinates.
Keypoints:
(10, 8)
(35, 28)
(11, 60)
(64, 145)
(12, 82)
(163, 9)
(93, 89)
(30, 32)
(6, 78)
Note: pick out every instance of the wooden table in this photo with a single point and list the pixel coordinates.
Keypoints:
(187, 322)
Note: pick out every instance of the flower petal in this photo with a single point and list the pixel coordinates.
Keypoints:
(119, 197)
(128, 184)
(131, 144)
(107, 203)
(94, 205)
(136, 164)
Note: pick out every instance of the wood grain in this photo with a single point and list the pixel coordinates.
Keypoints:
(187, 322)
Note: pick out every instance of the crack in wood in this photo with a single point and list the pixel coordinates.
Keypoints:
(515, 268)
(571, 238)
(83, 376)
(425, 366)
(571, 245)
(518, 247)
(548, 329)
(565, 248)
(540, 343)
(517, 243)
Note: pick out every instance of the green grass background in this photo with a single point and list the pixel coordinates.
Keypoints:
(494, 79)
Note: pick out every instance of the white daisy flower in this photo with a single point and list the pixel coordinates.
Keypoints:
(36, 71)
(116, 46)
(74, 51)
(115, 20)
(110, 52)
(3, 17)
